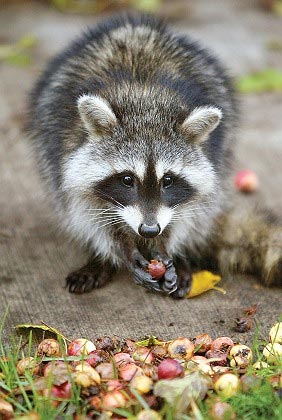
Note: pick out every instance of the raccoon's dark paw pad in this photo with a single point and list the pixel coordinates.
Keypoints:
(184, 280)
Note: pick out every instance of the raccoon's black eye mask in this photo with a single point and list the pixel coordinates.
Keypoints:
(178, 191)
(126, 189)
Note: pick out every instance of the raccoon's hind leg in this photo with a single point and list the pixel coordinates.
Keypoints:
(91, 276)
(251, 243)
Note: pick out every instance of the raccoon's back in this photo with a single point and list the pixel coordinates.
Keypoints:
(134, 48)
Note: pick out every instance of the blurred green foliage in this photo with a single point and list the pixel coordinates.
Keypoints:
(268, 80)
(18, 54)
(97, 6)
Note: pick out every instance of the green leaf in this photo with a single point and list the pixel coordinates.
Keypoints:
(180, 392)
(18, 59)
(61, 4)
(141, 400)
(150, 341)
(27, 41)
(17, 54)
(265, 81)
(123, 412)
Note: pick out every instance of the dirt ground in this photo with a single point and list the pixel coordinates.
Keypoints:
(35, 257)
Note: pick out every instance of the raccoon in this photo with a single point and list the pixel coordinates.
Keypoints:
(134, 129)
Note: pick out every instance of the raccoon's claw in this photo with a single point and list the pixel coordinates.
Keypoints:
(139, 260)
(143, 278)
(87, 278)
(169, 282)
(77, 282)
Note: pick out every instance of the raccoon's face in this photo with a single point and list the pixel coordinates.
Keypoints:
(142, 182)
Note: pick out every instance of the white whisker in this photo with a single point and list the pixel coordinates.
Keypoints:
(101, 216)
(110, 197)
(193, 210)
(110, 223)
(110, 209)
(97, 208)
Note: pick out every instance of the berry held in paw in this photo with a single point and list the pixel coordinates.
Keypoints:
(156, 269)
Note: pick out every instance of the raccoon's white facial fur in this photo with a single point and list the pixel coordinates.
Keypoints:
(84, 226)
(82, 170)
(164, 216)
(201, 122)
(200, 174)
(96, 114)
(132, 216)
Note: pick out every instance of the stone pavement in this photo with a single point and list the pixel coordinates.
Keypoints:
(35, 256)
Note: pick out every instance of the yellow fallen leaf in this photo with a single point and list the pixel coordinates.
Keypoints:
(202, 282)
(43, 327)
(150, 341)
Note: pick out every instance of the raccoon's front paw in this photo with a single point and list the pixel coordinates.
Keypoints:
(184, 280)
(144, 279)
(91, 276)
(139, 269)
(168, 283)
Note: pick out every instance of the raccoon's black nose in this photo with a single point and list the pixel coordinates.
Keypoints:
(149, 231)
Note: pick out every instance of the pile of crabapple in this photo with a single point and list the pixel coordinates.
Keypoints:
(111, 372)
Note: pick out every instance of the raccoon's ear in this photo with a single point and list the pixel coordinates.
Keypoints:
(201, 122)
(96, 113)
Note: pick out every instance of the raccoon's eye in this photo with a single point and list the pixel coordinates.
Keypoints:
(167, 181)
(128, 180)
